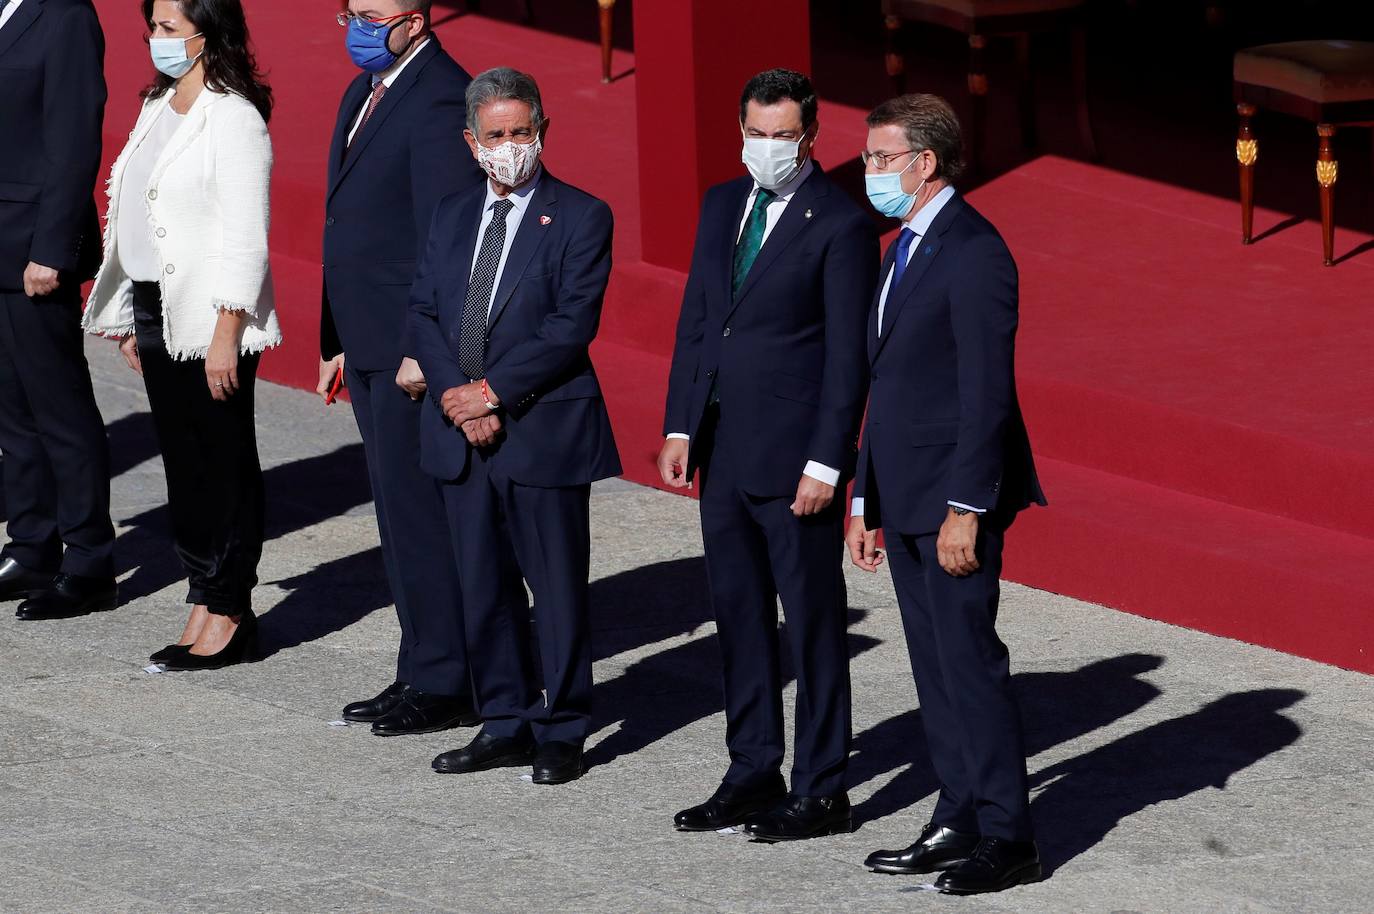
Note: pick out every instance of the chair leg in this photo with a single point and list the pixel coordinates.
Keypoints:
(607, 37)
(978, 98)
(1026, 91)
(1326, 181)
(1247, 151)
(1078, 43)
(896, 65)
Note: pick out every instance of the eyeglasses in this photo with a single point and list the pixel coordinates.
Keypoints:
(346, 18)
(883, 159)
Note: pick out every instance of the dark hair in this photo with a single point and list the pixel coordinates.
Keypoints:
(773, 86)
(929, 123)
(228, 60)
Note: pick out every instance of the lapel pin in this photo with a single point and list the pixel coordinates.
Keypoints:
(545, 220)
(807, 214)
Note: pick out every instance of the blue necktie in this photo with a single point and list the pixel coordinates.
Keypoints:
(904, 241)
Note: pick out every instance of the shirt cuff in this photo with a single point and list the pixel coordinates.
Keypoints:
(822, 473)
(955, 504)
(683, 435)
(856, 508)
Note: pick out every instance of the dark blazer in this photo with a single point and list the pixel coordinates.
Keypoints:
(380, 202)
(789, 351)
(52, 101)
(545, 314)
(943, 421)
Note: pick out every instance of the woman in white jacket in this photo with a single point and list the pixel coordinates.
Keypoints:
(186, 287)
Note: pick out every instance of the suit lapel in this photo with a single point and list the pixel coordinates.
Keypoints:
(729, 237)
(352, 103)
(534, 228)
(389, 103)
(26, 15)
(796, 216)
(888, 259)
(921, 259)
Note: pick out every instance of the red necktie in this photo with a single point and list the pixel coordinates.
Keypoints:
(376, 99)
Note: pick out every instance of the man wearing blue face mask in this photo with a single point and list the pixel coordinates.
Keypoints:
(945, 467)
(765, 396)
(397, 150)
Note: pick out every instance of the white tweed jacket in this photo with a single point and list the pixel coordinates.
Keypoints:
(208, 212)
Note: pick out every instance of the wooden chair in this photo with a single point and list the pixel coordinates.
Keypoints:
(1330, 83)
(981, 19)
(607, 28)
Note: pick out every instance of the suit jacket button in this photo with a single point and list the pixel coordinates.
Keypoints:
(727, 332)
(710, 372)
(329, 221)
(171, 268)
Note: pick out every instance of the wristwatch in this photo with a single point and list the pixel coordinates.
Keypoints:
(960, 512)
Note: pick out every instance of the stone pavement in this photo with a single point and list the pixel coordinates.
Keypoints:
(1172, 771)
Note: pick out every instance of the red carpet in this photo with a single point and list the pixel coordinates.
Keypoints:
(1204, 412)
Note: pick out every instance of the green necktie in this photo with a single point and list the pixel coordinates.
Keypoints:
(751, 239)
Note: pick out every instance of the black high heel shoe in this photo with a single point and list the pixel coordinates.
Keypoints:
(168, 652)
(241, 646)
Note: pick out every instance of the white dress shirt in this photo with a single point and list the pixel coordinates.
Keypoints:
(817, 471)
(138, 257)
(9, 11)
(918, 224)
(520, 197)
(388, 76)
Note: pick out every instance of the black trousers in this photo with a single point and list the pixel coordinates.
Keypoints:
(963, 681)
(414, 532)
(501, 528)
(56, 455)
(210, 452)
(756, 551)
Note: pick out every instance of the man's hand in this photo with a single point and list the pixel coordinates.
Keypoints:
(956, 543)
(672, 462)
(411, 379)
(39, 280)
(128, 347)
(863, 545)
(329, 370)
(463, 403)
(482, 432)
(813, 497)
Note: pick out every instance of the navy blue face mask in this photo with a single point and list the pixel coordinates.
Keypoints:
(369, 42)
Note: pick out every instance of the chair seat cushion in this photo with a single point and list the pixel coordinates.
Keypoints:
(1322, 71)
(986, 8)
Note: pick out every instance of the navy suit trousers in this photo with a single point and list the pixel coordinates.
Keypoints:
(963, 681)
(756, 550)
(414, 535)
(501, 528)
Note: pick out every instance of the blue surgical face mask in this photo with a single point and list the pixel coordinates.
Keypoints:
(369, 44)
(169, 55)
(886, 194)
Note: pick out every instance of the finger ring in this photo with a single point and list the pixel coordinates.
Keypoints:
(219, 383)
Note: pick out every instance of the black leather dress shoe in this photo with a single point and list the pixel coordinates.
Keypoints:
(938, 848)
(67, 596)
(368, 710)
(18, 582)
(485, 752)
(798, 818)
(730, 805)
(558, 763)
(425, 712)
(994, 865)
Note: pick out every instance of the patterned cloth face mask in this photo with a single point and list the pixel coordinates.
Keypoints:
(511, 163)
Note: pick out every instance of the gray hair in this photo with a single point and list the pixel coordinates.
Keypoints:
(503, 83)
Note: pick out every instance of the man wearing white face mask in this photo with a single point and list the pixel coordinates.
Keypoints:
(765, 396)
(504, 307)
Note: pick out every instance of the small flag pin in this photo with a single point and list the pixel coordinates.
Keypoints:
(545, 220)
(807, 214)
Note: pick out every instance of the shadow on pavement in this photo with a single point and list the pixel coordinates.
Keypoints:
(327, 599)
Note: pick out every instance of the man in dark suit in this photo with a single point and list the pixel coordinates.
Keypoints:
(945, 467)
(506, 304)
(56, 457)
(765, 396)
(397, 150)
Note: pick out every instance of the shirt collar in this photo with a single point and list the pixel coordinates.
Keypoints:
(389, 76)
(785, 192)
(920, 223)
(520, 197)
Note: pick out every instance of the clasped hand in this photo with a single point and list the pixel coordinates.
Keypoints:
(463, 403)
